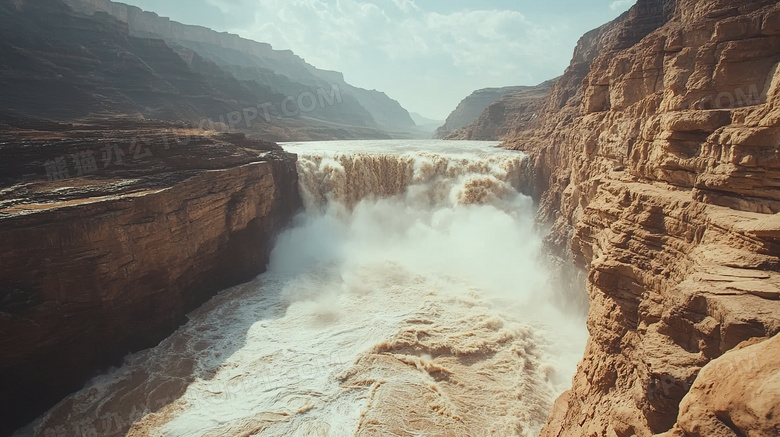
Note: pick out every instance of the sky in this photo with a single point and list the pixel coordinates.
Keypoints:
(427, 54)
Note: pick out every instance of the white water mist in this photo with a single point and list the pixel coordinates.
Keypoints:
(410, 298)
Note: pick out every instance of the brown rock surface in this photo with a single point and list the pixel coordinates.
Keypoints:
(96, 266)
(657, 162)
(736, 394)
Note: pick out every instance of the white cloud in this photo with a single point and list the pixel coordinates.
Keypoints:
(330, 35)
(427, 54)
(406, 5)
(621, 5)
(480, 42)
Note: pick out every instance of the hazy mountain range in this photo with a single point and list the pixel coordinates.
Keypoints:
(71, 60)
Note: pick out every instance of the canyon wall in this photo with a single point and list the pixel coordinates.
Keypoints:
(470, 108)
(79, 60)
(281, 70)
(102, 260)
(64, 66)
(656, 161)
(510, 113)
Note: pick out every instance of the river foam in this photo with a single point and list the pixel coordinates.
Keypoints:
(409, 299)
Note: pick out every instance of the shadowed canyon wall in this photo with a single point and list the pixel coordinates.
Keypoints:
(78, 60)
(656, 161)
(258, 63)
(107, 263)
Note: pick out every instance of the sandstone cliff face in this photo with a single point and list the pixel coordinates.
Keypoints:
(656, 159)
(100, 265)
(736, 394)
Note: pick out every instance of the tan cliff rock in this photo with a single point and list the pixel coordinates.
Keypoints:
(96, 266)
(656, 159)
(736, 394)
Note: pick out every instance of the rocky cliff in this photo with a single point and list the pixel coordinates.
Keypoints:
(71, 65)
(656, 159)
(259, 62)
(112, 233)
(510, 113)
(470, 108)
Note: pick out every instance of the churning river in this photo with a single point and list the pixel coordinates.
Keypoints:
(410, 298)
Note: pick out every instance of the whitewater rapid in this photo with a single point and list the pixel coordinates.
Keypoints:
(410, 298)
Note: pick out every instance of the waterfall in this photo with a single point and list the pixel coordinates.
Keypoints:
(410, 298)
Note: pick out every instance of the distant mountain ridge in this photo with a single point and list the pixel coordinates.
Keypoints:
(257, 61)
(470, 108)
(422, 120)
(511, 112)
(61, 65)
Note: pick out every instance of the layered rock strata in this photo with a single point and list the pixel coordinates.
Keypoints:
(656, 159)
(105, 257)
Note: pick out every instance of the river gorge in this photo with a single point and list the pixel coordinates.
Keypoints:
(412, 296)
(606, 265)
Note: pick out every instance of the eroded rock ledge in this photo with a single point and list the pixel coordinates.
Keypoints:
(99, 265)
(657, 160)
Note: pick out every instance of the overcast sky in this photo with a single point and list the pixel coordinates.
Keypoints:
(427, 54)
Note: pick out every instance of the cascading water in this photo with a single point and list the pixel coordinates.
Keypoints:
(409, 299)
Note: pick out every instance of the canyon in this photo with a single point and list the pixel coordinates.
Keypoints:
(388, 307)
(80, 60)
(654, 162)
(254, 62)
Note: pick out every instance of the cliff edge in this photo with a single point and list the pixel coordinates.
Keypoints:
(112, 232)
(656, 160)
